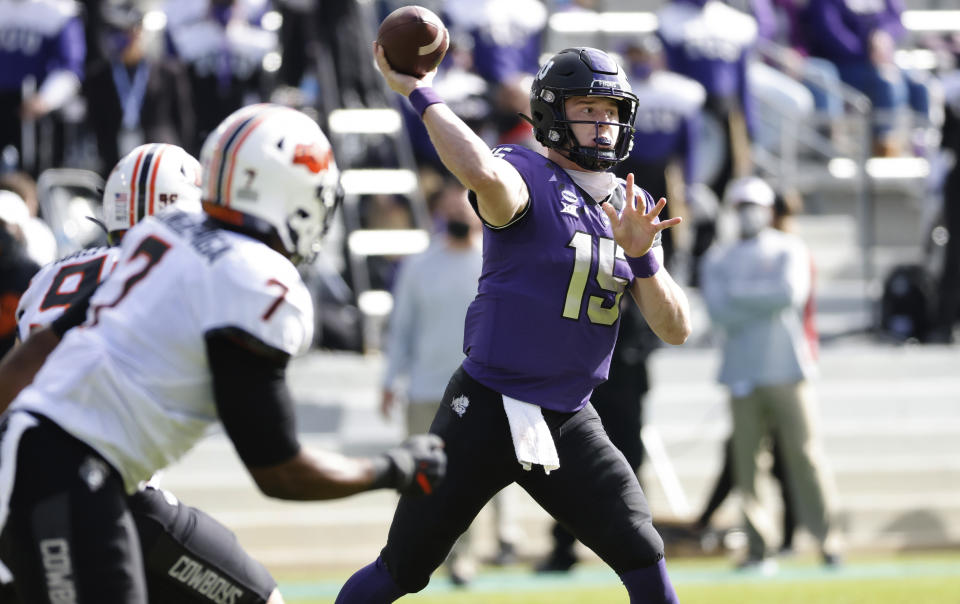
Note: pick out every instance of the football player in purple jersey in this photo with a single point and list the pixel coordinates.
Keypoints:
(563, 239)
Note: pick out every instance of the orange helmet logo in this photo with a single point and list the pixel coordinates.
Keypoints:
(313, 156)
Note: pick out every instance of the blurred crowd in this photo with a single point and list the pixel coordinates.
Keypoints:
(720, 85)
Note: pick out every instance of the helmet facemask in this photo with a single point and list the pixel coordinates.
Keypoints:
(306, 227)
(582, 72)
(594, 157)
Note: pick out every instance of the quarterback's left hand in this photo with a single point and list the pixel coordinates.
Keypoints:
(635, 229)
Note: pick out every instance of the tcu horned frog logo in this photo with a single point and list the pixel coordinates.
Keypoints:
(313, 156)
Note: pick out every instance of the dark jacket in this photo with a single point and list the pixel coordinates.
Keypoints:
(166, 115)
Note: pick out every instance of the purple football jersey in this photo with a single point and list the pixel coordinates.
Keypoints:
(545, 319)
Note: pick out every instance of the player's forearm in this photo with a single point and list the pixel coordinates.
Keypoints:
(316, 475)
(665, 307)
(22, 363)
(464, 153)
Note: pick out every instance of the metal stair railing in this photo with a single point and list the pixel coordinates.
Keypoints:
(353, 132)
(824, 149)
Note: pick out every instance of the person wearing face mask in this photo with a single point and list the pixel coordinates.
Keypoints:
(425, 341)
(756, 289)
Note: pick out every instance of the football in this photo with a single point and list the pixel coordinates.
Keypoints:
(413, 39)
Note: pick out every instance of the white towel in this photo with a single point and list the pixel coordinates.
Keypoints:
(532, 440)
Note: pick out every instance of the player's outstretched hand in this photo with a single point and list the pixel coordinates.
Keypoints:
(635, 229)
(419, 464)
(399, 82)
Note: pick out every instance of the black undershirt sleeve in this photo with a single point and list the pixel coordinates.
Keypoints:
(76, 311)
(252, 398)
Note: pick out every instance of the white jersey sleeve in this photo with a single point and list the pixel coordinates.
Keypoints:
(133, 382)
(58, 285)
(258, 291)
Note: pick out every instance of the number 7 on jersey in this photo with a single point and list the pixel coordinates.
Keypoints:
(276, 303)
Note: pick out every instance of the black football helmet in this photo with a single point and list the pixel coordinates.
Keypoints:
(581, 72)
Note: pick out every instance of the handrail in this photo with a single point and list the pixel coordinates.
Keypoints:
(857, 113)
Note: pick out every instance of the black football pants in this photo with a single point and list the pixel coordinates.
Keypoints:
(186, 555)
(595, 494)
(69, 536)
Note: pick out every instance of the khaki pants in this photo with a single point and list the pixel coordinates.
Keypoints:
(788, 411)
(419, 417)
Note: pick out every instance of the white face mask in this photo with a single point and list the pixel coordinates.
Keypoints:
(752, 218)
(598, 185)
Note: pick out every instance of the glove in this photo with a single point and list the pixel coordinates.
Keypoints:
(416, 467)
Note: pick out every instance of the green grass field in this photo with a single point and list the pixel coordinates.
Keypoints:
(891, 579)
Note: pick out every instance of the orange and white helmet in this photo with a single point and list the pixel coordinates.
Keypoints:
(270, 169)
(148, 179)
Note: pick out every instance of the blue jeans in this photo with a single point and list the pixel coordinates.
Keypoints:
(824, 99)
(888, 88)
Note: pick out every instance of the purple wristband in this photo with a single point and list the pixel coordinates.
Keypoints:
(421, 98)
(645, 266)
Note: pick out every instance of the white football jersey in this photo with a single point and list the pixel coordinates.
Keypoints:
(133, 382)
(58, 284)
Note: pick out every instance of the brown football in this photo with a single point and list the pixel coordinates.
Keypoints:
(414, 40)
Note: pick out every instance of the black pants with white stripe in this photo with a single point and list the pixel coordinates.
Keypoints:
(183, 554)
(69, 535)
(595, 494)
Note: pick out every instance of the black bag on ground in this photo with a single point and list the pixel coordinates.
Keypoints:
(908, 303)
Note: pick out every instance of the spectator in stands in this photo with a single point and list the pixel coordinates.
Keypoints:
(223, 46)
(819, 75)
(134, 98)
(16, 267)
(667, 126)
(425, 344)
(782, 103)
(316, 52)
(711, 43)
(507, 37)
(506, 34)
(42, 55)
(860, 39)
(756, 290)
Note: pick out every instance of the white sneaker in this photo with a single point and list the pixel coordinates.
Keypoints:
(761, 566)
